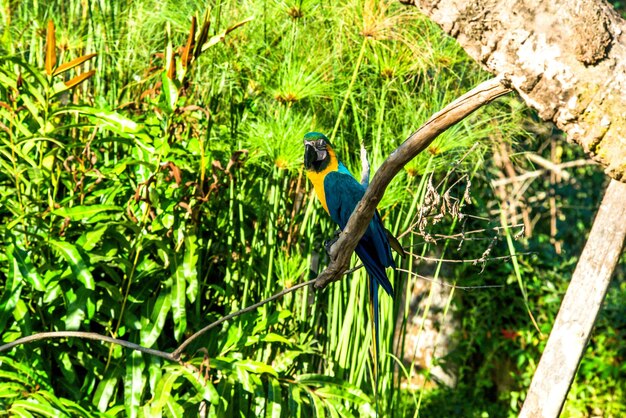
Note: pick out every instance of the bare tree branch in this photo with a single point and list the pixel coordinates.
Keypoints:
(555, 168)
(177, 353)
(580, 307)
(342, 250)
(174, 356)
(85, 336)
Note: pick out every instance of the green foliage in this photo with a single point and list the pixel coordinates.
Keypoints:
(157, 186)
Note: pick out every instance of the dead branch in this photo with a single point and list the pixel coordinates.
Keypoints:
(85, 336)
(560, 168)
(173, 356)
(341, 251)
(580, 307)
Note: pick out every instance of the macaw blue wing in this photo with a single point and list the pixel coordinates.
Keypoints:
(343, 193)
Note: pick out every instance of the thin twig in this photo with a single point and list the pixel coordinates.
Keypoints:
(177, 353)
(86, 336)
(428, 279)
(537, 173)
(473, 260)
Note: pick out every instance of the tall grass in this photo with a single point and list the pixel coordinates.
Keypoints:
(144, 206)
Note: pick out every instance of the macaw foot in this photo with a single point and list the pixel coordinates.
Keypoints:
(328, 244)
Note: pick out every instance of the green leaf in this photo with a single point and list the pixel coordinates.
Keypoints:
(34, 113)
(295, 401)
(150, 332)
(173, 409)
(12, 289)
(163, 392)
(256, 367)
(318, 405)
(329, 385)
(76, 262)
(185, 272)
(178, 303)
(91, 237)
(11, 390)
(274, 398)
(104, 392)
(169, 91)
(330, 406)
(39, 76)
(133, 383)
(77, 213)
(24, 408)
(191, 265)
(107, 119)
(205, 388)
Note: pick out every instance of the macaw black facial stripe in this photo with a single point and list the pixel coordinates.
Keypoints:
(314, 158)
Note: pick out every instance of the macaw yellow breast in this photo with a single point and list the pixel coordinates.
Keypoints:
(317, 177)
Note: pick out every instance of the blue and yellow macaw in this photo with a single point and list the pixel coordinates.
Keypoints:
(339, 192)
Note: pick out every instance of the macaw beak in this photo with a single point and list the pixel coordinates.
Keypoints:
(312, 154)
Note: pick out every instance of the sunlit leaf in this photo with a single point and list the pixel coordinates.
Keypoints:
(179, 299)
(104, 392)
(221, 36)
(204, 387)
(256, 367)
(330, 407)
(24, 408)
(274, 399)
(190, 265)
(12, 289)
(173, 409)
(134, 382)
(79, 79)
(73, 63)
(188, 49)
(170, 91)
(152, 330)
(163, 392)
(318, 405)
(77, 264)
(90, 238)
(82, 212)
(27, 269)
(51, 57)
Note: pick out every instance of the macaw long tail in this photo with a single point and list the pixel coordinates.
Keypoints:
(377, 277)
(374, 312)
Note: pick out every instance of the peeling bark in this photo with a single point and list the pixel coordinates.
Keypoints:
(565, 58)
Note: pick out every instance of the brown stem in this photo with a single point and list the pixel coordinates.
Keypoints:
(87, 336)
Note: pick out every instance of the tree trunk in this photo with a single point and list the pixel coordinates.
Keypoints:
(565, 58)
(579, 308)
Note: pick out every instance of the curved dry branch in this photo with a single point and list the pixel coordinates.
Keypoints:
(342, 250)
(178, 352)
(173, 356)
(86, 336)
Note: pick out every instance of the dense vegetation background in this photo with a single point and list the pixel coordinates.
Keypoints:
(153, 188)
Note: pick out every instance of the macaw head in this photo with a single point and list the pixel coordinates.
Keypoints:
(317, 151)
